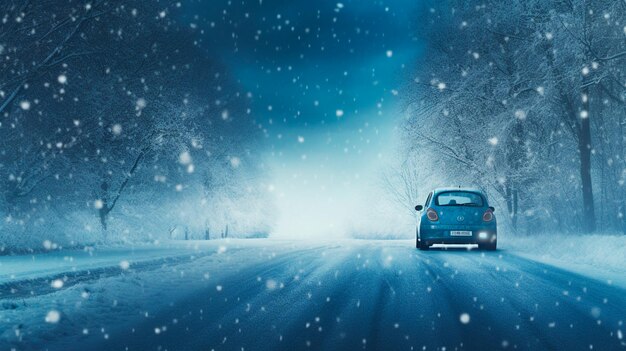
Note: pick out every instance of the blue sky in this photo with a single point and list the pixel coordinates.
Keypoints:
(323, 77)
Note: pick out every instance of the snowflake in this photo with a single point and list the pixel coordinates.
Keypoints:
(124, 265)
(184, 158)
(98, 204)
(140, 104)
(116, 129)
(53, 316)
(271, 284)
(235, 162)
(584, 114)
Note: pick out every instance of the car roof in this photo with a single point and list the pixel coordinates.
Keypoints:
(441, 190)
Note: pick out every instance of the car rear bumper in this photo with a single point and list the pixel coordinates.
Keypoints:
(442, 235)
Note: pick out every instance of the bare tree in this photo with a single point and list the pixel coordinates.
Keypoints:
(403, 184)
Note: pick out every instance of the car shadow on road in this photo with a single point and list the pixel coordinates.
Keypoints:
(460, 248)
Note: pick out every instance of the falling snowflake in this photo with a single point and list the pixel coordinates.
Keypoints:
(124, 265)
(140, 104)
(53, 316)
(235, 162)
(464, 318)
(116, 129)
(584, 114)
(98, 204)
(271, 284)
(48, 245)
(184, 158)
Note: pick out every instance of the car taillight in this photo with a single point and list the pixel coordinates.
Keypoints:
(488, 216)
(432, 215)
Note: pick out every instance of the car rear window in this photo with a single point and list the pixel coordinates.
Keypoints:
(459, 198)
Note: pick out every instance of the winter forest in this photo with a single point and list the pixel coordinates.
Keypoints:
(527, 100)
(312, 175)
(120, 122)
(117, 126)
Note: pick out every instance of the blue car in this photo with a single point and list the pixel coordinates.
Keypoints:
(456, 216)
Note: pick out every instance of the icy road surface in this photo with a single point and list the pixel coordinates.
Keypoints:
(277, 295)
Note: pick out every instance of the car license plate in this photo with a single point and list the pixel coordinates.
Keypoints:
(460, 233)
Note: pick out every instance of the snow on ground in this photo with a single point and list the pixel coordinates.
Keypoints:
(593, 255)
(120, 296)
(150, 297)
(599, 256)
(125, 278)
(42, 264)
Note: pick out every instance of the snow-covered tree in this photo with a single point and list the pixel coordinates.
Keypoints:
(514, 98)
(112, 118)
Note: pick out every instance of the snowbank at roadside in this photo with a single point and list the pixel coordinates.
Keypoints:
(599, 256)
(58, 261)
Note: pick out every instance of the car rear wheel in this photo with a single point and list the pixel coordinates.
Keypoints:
(488, 246)
(422, 245)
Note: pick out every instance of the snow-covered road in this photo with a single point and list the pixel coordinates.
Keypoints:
(348, 295)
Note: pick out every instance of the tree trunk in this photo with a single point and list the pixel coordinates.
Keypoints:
(581, 129)
(584, 148)
(172, 229)
(584, 135)
(106, 208)
(508, 192)
(104, 211)
(515, 209)
(623, 213)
